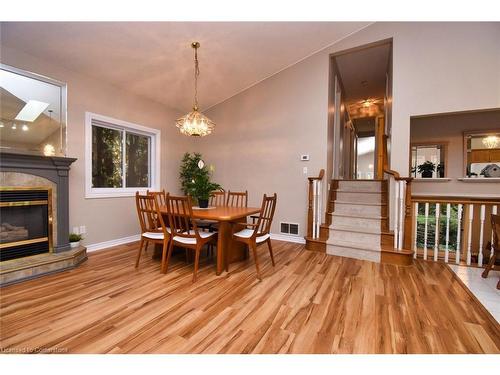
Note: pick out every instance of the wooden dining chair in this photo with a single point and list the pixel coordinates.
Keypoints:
(260, 231)
(237, 199)
(495, 246)
(153, 228)
(218, 198)
(161, 197)
(184, 231)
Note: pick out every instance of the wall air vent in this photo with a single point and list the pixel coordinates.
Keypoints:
(289, 228)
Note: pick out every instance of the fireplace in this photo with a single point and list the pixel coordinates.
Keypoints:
(26, 222)
(34, 217)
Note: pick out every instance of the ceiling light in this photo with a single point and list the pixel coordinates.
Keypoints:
(14, 126)
(1, 124)
(491, 141)
(49, 150)
(195, 123)
(25, 128)
(31, 111)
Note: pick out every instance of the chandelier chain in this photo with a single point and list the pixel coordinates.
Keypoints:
(196, 74)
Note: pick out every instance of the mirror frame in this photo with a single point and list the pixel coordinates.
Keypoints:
(63, 102)
(468, 133)
(430, 143)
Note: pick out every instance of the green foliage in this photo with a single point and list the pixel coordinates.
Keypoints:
(431, 226)
(195, 181)
(428, 166)
(73, 237)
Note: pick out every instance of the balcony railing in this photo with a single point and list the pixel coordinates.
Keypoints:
(453, 229)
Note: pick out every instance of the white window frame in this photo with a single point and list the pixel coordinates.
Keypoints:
(154, 176)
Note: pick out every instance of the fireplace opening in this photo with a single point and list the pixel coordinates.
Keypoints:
(25, 222)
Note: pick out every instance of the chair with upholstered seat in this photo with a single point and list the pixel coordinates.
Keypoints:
(259, 233)
(184, 231)
(495, 246)
(237, 198)
(153, 228)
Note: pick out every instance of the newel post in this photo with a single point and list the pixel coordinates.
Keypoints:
(310, 209)
(407, 240)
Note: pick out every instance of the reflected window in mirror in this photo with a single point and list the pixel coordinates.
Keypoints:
(482, 154)
(428, 160)
(32, 113)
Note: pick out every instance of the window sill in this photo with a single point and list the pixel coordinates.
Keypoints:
(479, 179)
(438, 179)
(115, 194)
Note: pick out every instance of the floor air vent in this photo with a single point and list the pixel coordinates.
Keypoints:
(289, 228)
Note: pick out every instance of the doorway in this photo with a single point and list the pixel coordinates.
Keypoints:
(361, 99)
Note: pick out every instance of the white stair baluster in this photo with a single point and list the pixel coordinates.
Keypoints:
(446, 249)
(396, 215)
(426, 222)
(401, 213)
(436, 233)
(469, 242)
(459, 229)
(314, 209)
(481, 234)
(494, 212)
(319, 209)
(415, 230)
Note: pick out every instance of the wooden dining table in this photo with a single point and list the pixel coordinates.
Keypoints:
(230, 220)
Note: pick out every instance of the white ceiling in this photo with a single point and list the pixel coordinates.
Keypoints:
(154, 59)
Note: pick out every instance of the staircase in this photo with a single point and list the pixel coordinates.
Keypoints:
(357, 224)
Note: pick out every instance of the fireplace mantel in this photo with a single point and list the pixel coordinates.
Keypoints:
(53, 168)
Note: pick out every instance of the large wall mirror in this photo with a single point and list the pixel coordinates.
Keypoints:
(32, 113)
(482, 154)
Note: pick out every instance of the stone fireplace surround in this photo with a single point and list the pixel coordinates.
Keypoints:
(15, 170)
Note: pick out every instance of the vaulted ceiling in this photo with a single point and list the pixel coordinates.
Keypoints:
(154, 59)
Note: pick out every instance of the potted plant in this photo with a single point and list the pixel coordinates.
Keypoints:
(195, 179)
(74, 239)
(440, 169)
(426, 169)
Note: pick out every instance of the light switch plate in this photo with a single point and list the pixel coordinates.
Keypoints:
(83, 229)
(304, 170)
(76, 230)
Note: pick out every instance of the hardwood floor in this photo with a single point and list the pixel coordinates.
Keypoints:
(309, 303)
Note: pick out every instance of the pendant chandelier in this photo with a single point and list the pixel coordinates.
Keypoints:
(195, 124)
(491, 141)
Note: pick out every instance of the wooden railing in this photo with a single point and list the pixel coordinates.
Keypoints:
(314, 211)
(453, 229)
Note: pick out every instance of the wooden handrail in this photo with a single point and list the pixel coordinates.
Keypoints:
(454, 199)
(320, 176)
(310, 210)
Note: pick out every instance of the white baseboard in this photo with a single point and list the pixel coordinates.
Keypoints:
(110, 243)
(137, 237)
(284, 237)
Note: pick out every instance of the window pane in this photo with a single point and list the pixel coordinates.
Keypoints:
(106, 157)
(137, 163)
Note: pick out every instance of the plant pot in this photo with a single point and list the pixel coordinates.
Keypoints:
(74, 244)
(202, 203)
(427, 174)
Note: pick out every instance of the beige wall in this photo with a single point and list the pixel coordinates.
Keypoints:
(437, 67)
(105, 218)
(449, 129)
(261, 132)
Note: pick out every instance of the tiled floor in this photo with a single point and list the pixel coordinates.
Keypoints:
(484, 289)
